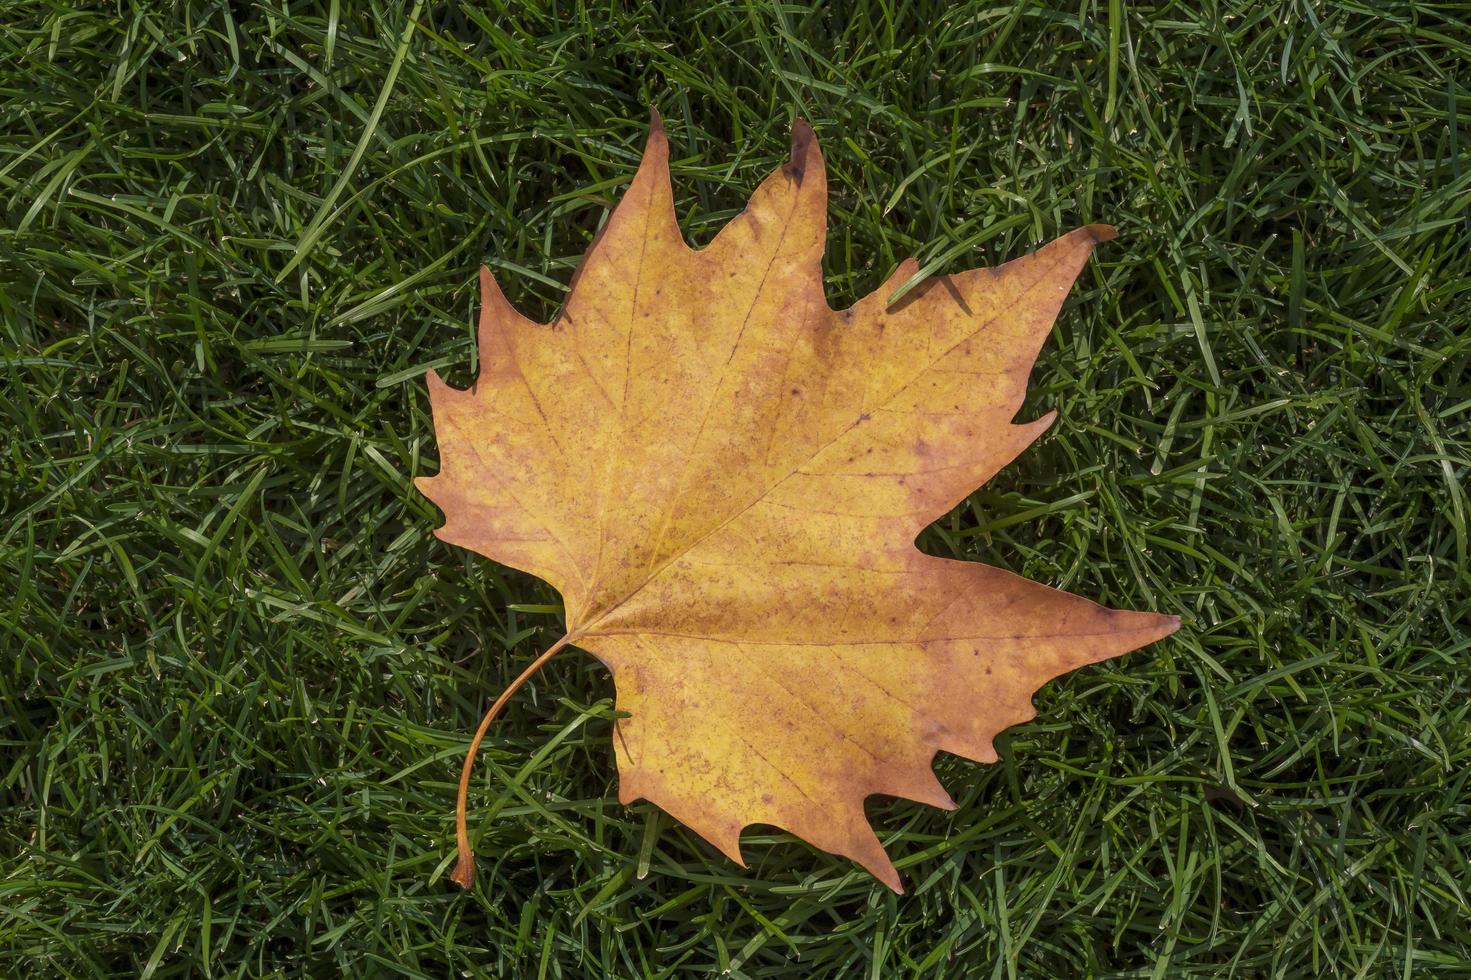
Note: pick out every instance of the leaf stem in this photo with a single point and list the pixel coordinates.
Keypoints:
(464, 873)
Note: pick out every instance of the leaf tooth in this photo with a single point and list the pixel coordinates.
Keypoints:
(725, 835)
(870, 853)
(939, 493)
(444, 398)
(495, 309)
(643, 215)
(916, 782)
(435, 382)
(651, 188)
(853, 838)
(806, 156)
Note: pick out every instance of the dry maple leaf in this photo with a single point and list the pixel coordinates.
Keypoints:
(724, 479)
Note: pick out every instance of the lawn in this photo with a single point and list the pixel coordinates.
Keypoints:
(238, 673)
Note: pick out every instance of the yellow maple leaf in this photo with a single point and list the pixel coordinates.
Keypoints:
(724, 478)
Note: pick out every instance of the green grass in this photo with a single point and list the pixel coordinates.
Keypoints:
(237, 673)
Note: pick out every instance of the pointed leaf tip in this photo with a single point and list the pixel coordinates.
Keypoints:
(490, 291)
(1101, 232)
(656, 146)
(806, 153)
(887, 874)
(492, 298)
